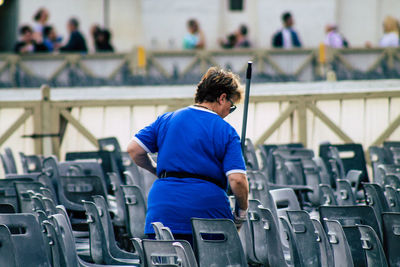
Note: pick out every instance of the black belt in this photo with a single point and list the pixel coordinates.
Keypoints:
(165, 174)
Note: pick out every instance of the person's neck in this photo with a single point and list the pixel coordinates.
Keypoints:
(207, 105)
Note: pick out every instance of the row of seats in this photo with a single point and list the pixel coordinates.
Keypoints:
(304, 211)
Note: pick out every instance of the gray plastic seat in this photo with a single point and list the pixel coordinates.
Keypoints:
(217, 243)
(375, 198)
(393, 198)
(345, 193)
(372, 246)
(325, 249)
(99, 243)
(391, 242)
(27, 238)
(294, 255)
(24, 199)
(327, 196)
(340, 247)
(350, 215)
(136, 210)
(7, 249)
(353, 238)
(392, 180)
(305, 237)
(30, 163)
(162, 232)
(165, 253)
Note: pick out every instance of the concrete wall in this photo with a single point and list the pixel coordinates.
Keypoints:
(161, 24)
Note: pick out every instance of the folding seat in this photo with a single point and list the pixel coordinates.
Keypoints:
(24, 199)
(323, 172)
(8, 161)
(305, 237)
(327, 196)
(384, 170)
(345, 193)
(31, 163)
(27, 238)
(130, 167)
(375, 198)
(250, 156)
(353, 238)
(217, 243)
(341, 251)
(372, 246)
(6, 208)
(391, 242)
(168, 253)
(351, 215)
(294, 254)
(325, 249)
(7, 250)
(100, 241)
(117, 202)
(392, 180)
(389, 146)
(136, 210)
(111, 144)
(377, 156)
(8, 194)
(393, 198)
(162, 232)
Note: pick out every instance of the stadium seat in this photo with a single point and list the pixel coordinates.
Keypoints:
(136, 210)
(393, 198)
(27, 239)
(372, 246)
(377, 156)
(338, 241)
(327, 196)
(392, 180)
(305, 237)
(8, 161)
(391, 229)
(294, 255)
(162, 232)
(353, 238)
(24, 199)
(168, 253)
(351, 215)
(6, 208)
(217, 243)
(375, 198)
(345, 193)
(7, 250)
(31, 163)
(325, 249)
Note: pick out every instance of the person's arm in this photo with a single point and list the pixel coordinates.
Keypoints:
(140, 156)
(240, 189)
(202, 40)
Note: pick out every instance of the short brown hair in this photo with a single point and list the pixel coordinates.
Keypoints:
(215, 82)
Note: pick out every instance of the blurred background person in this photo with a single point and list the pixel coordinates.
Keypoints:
(390, 37)
(229, 43)
(103, 41)
(333, 38)
(76, 42)
(50, 39)
(242, 40)
(195, 37)
(41, 17)
(286, 38)
(27, 42)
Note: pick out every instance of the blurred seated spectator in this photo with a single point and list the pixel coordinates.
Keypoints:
(242, 40)
(333, 38)
(50, 39)
(76, 42)
(27, 43)
(102, 41)
(195, 37)
(41, 17)
(286, 38)
(229, 43)
(390, 37)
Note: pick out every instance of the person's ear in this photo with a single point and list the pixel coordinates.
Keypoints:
(222, 97)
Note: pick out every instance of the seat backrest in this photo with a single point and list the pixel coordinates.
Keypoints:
(130, 166)
(393, 198)
(162, 232)
(372, 246)
(351, 215)
(27, 238)
(392, 180)
(8, 194)
(163, 253)
(377, 156)
(312, 179)
(136, 210)
(6, 208)
(325, 249)
(7, 249)
(340, 247)
(9, 157)
(285, 199)
(22, 188)
(305, 237)
(31, 163)
(256, 244)
(327, 197)
(111, 144)
(251, 157)
(287, 229)
(353, 237)
(375, 198)
(345, 196)
(217, 243)
(78, 188)
(391, 228)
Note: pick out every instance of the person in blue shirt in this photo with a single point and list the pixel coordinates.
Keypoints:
(194, 39)
(199, 154)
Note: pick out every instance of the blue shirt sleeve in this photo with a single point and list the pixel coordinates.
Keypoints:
(233, 161)
(147, 137)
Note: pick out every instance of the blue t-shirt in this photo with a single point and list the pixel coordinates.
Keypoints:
(192, 140)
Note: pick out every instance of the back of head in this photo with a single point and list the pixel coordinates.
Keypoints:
(215, 82)
(287, 19)
(46, 31)
(193, 25)
(74, 23)
(38, 14)
(390, 24)
(25, 29)
(243, 30)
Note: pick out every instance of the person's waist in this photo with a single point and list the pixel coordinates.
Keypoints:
(182, 175)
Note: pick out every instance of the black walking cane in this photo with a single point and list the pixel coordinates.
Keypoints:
(246, 107)
(244, 124)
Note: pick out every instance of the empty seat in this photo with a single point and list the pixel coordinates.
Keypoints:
(375, 198)
(136, 210)
(31, 163)
(217, 243)
(391, 228)
(325, 249)
(327, 196)
(393, 198)
(7, 250)
(162, 232)
(345, 193)
(341, 250)
(372, 246)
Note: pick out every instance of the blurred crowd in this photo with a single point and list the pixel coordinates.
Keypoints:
(43, 37)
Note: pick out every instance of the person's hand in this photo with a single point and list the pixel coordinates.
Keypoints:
(239, 218)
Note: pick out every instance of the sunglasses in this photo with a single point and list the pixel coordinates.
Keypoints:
(233, 107)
